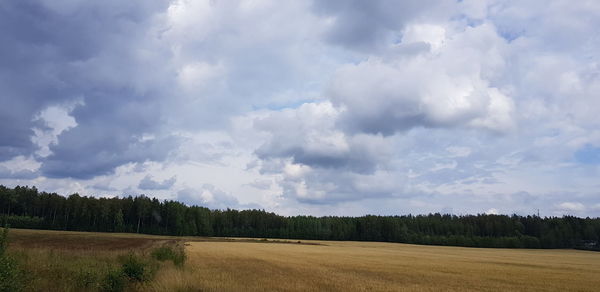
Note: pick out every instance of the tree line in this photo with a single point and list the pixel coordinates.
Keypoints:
(26, 207)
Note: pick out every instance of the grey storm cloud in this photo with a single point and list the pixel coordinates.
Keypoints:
(367, 25)
(147, 183)
(56, 53)
(115, 65)
(109, 133)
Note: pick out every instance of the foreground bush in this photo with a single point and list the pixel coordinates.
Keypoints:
(166, 253)
(114, 281)
(136, 268)
(3, 240)
(12, 277)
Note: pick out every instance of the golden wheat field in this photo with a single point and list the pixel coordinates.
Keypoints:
(369, 266)
(218, 264)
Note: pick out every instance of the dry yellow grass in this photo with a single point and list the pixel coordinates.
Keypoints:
(368, 266)
(220, 264)
(76, 261)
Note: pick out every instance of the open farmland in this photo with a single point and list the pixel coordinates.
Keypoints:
(371, 266)
(219, 264)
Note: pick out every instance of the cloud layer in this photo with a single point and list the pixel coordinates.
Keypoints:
(324, 107)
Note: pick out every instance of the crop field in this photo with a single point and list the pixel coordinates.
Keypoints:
(370, 266)
(218, 264)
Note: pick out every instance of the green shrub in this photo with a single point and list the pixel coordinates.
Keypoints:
(166, 253)
(87, 278)
(162, 253)
(3, 240)
(114, 281)
(12, 277)
(135, 268)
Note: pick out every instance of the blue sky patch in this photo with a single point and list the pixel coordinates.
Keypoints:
(588, 155)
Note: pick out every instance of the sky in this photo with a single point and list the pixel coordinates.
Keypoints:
(307, 107)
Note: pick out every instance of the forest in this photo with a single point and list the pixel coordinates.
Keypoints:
(26, 207)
